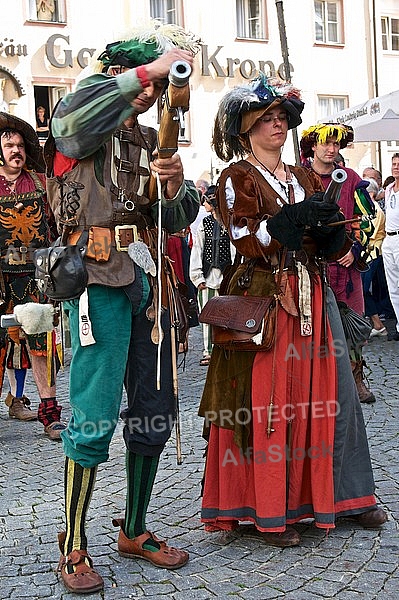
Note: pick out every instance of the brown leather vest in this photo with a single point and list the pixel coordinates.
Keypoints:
(105, 192)
(256, 201)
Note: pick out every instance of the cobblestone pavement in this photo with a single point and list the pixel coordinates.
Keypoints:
(350, 563)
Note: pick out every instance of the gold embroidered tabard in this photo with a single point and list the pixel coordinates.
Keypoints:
(23, 228)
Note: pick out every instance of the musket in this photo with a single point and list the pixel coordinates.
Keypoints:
(173, 339)
(176, 103)
(333, 192)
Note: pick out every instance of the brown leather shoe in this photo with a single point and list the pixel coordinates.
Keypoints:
(166, 557)
(18, 408)
(285, 539)
(83, 579)
(53, 431)
(366, 396)
(372, 518)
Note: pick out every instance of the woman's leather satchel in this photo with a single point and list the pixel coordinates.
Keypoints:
(243, 323)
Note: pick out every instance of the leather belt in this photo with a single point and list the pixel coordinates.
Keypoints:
(392, 232)
(123, 236)
(120, 236)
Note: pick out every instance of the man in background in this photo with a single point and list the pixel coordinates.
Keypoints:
(202, 186)
(24, 203)
(320, 145)
(372, 173)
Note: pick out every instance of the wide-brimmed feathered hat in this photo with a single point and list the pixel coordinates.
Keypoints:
(34, 154)
(319, 134)
(145, 44)
(244, 105)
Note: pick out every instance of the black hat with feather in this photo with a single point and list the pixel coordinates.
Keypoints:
(244, 105)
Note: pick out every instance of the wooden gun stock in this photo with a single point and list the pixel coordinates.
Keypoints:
(177, 98)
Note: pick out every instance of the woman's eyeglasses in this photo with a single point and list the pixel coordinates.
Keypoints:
(269, 119)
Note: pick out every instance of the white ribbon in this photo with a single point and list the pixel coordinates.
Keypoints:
(159, 277)
(85, 329)
(305, 306)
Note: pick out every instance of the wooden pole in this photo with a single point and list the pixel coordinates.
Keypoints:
(287, 67)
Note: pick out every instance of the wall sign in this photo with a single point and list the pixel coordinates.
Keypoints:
(66, 60)
(248, 68)
(211, 61)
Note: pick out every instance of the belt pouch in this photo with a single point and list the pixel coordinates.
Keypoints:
(99, 244)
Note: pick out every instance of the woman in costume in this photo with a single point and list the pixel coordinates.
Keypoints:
(279, 446)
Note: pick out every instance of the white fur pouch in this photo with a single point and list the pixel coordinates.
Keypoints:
(35, 318)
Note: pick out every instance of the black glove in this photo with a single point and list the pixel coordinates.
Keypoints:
(329, 239)
(283, 230)
(288, 225)
(311, 211)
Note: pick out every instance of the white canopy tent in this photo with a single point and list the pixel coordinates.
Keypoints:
(376, 120)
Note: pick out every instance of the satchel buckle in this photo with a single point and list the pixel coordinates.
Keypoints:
(125, 235)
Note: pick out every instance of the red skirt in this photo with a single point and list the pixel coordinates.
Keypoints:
(287, 476)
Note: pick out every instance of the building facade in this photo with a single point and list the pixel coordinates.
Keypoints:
(339, 53)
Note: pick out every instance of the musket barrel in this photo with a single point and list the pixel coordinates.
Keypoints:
(332, 193)
(177, 97)
(179, 73)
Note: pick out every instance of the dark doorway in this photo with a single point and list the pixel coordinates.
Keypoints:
(42, 97)
(41, 93)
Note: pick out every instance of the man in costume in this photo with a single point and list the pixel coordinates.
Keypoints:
(210, 256)
(102, 159)
(320, 145)
(24, 225)
(276, 415)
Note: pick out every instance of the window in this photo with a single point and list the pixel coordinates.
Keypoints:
(251, 18)
(390, 34)
(329, 105)
(47, 11)
(166, 11)
(328, 29)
